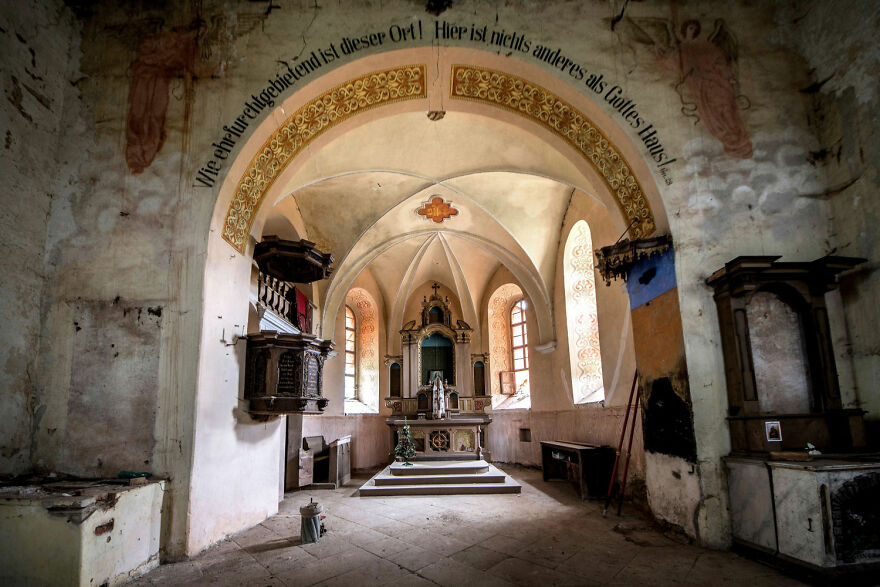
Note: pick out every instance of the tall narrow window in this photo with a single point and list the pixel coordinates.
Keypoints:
(350, 355)
(582, 316)
(361, 353)
(519, 334)
(502, 384)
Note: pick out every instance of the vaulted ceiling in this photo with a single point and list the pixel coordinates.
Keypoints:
(358, 196)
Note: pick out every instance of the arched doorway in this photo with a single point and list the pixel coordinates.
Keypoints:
(551, 155)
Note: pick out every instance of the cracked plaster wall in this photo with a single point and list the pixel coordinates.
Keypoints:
(36, 39)
(844, 101)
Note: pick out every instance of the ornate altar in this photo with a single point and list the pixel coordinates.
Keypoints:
(284, 373)
(433, 384)
(448, 438)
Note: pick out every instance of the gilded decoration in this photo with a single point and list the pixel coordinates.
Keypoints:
(374, 89)
(513, 93)
(439, 440)
(437, 210)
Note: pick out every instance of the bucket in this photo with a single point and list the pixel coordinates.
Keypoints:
(310, 527)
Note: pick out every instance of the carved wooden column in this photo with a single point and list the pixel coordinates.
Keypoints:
(464, 372)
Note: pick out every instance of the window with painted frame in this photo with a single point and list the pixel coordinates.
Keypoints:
(350, 354)
(519, 346)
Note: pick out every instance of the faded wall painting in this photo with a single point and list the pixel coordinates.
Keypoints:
(667, 420)
(160, 59)
(706, 67)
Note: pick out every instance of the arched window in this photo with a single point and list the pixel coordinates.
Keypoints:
(506, 391)
(350, 354)
(582, 316)
(361, 353)
(519, 346)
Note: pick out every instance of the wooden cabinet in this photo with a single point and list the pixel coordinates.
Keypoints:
(800, 288)
(588, 466)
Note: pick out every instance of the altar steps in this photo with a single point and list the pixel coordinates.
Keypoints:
(434, 478)
(434, 468)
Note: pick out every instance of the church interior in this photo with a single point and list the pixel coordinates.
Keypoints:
(486, 264)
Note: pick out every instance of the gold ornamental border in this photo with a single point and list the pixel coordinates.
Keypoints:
(346, 100)
(538, 104)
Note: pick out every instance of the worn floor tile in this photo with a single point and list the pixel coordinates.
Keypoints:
(452, 573)
(187, 571)
(479, 557)
(284, 559)
(384, 546)
(327, 568)
(523, 572)
(439, 543)
(414, 558)
(412, 581)
(327, 546)
(256, 535)
(506, 545)
(375, 572)
(544, 536)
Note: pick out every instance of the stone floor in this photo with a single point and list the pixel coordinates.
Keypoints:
(543, 536)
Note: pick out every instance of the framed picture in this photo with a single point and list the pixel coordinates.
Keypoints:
(508, 382)
(433, 374)
(773, 431)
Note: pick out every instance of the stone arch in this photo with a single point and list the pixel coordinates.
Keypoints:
(603, 149)
(226, 275)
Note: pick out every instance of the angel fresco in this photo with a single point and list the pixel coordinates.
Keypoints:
(707, 84)
(159, 60)
(183, 52)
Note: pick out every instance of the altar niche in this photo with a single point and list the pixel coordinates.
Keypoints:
(779, 362)
(436, 390)
(437, 359)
